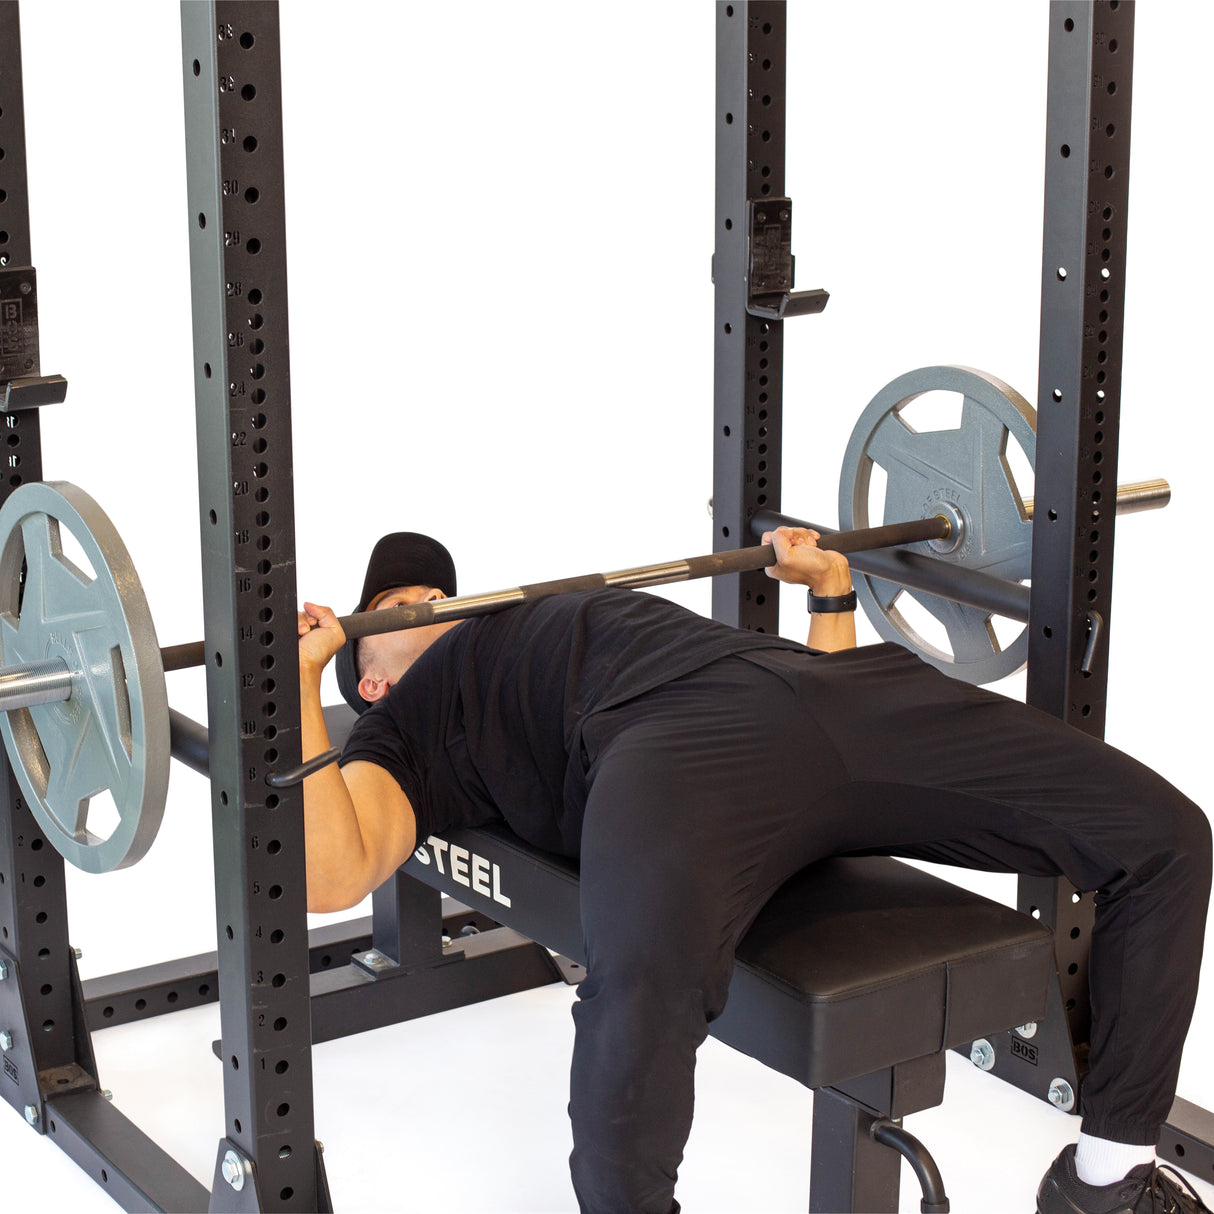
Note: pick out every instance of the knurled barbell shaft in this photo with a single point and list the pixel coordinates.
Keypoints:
(740, 560)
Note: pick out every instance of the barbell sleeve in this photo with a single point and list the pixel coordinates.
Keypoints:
(1132, 498)
(32, 683)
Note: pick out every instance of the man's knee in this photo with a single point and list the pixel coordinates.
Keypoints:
(1188, 837)
(685, 986)
(1175, 849)
(687, 972)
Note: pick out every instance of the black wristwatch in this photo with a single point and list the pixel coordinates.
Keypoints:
(828, 604)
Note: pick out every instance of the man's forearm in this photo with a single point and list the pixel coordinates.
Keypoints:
(832, 632)
(336, 855)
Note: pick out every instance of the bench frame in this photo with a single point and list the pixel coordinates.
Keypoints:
(943, 967)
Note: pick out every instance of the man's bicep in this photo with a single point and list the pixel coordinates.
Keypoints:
(385, 817)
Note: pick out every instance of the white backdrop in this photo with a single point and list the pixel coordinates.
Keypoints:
(500, 221)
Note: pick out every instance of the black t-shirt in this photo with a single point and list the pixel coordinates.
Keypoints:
(486, 724)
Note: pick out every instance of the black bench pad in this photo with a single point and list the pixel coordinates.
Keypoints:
(855, 964)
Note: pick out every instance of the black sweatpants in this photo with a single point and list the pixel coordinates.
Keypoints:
(708, 793)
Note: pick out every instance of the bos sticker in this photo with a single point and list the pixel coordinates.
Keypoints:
(1025, 1051)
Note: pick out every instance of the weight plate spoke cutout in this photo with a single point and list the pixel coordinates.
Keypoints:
(111, 737)
(964, 471)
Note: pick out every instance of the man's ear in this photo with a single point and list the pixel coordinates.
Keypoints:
(433, 595)
(372, 689)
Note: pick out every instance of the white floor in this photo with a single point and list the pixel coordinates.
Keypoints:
(465, 1113)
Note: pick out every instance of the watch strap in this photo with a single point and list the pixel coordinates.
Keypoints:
(828, 604)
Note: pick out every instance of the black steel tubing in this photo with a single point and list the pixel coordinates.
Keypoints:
(918, 572)
(182, 657)
(189, 742)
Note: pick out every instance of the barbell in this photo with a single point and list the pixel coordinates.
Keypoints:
(83, 703)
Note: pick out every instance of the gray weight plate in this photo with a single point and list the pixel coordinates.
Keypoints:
(113, 733)
(962, 472)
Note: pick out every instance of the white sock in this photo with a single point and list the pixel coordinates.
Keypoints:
(1098, 1161)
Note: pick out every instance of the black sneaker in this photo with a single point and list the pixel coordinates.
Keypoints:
(1148, 1189)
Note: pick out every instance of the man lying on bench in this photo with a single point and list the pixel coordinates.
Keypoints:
(691, 768)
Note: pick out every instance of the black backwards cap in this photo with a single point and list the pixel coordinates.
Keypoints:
(404, 558)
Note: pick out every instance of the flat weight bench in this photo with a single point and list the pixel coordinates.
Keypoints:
(854, 979)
